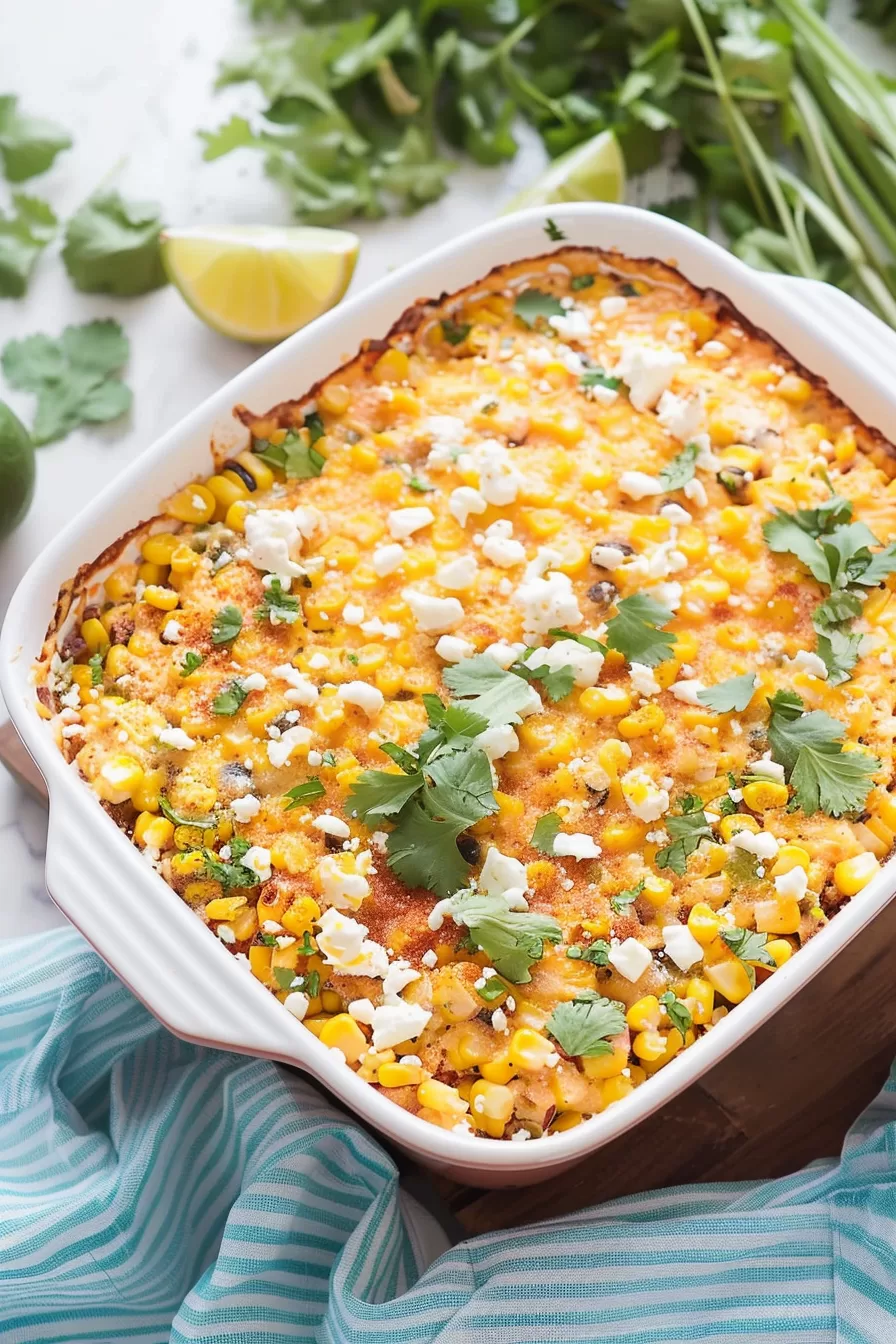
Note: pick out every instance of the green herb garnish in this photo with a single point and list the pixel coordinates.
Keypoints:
(229, 700)
(227, 624)
(304, 793)
(686, 830)
(585, 1027)
(277, 606)
(733, 694)
(822, 775)
(191, 661)
(72, 377)
(634, 631)
(533, 304)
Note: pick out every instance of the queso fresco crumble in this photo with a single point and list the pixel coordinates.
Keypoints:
(521, 698)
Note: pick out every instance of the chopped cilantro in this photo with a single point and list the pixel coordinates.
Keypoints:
(624, 899)
(555, 233)
(686, 830)
(95, 663)
(733, 694)
(497, 695)
(681, 469)
(585, 640)
(725, 806)
(227, 624)
(556, 682)
(586, 1026)
(545, 833)
(306, 947)
(455, 333)
(191, 661)
(598, 952)
(512, 939)
(229, 874)
(179, 819)
(635, 633)
(284, 976)
(296, 456)
(598, 377)
(314, 426)
(278, 607)
(268, 940)
(304, 793)
(493, 988)
(581, 282)
(328, 758)
(823, 776)
(748, 947)
(679, 1013)
(532, 304)
(421, 485)
(229, 700)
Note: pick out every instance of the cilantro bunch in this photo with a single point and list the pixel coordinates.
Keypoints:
(837, 553)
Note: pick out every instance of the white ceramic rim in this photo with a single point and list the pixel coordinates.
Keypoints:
(98, 878)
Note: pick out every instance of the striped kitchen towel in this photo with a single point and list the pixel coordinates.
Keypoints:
(151, 1191)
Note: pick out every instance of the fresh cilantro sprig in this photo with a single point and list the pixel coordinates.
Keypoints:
(306, 792)
(24, 233)
(809, 746)
(191, 660)
(227, 624)
(687, 830)
(112, 246)
(682, 469)
(731, 695)
(229, 700)
(635, 630)
(277, 606)
(532, 305)
(622, 901)
(232, 873)
(546, 831)
(598, 377)
(556, 682)
(513, 940)
(597, 953)
(581, 282)
(586, 1026)
(179, 819)
(72, 377)
(455, 333)
(679, 1014)
(296, 456)
(749, 948)
(487, 689)
(28, 145)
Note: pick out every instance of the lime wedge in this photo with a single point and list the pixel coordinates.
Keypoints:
(592, 171)
(259, 283)
(16, 470)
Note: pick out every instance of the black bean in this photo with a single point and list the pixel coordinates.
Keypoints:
(603, 593)
(469, 848)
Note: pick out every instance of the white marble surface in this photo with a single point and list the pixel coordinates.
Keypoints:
(132, 80)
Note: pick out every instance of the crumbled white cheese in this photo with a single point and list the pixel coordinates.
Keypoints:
(792, 883)
(504, 654)
(613, 305)
(397, 1022)
(576, 846)
(345, 945)
(497, 742)
(430, 958)
(352, 613)
(768, 768)
(680, 416)
(331, 825)
(586, 663)
(446, 434)
(176, 738)
(433, 615)
(301, 690)
(682, 946)
(499, 546)
(386, 559)
(245, 808)
(255, 681)
(453, 649)
(258, 860)
(647, 370)
(810, 663)
(297, 1003)
(630, 958)
(270, 536)
(463, 501)
(501, 873)
(638, 485)
(403, 523)
(172, 631)
(675, 514)
(688, 691)
(714, 350)
(607, 557)
(547, 603)
(362, 694)
(399, 975)
(458, 574)
(695, 491)
(573, 325)
(643, 681)
(499, 480)
(279, 751)
(762, 843)
(645, 799)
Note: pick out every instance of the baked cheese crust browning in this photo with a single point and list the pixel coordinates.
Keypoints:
(521, 698)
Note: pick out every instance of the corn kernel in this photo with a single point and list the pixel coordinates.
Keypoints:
(778, 915)
(851, 875)
(644, 1014)
(730, 979)
(794, 389)
(120, 583)
(692, 543)
(391, 367)
(623, 837)
(642, 722)
(765, 795)
(491, 1106)
(224, 907)
(729, 826)
(441, 1098)
(399, 1075)
(599, 702)
(649, 1045)
(165, 599)
(95, 636)
(118, 777)
(529, 1050)
(499, 1070)
(779, 950)
(301, 915)
(614, 1089)
(606, 1066)
(656, 890)
(789, 857)
(193, 504)
(650, 528)
(703, 923)
(153, 830)
(343, 1033)
(700, 998)
(159, 548)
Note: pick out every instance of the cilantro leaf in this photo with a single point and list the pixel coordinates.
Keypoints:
(227, 624)
(581, 282)
(487, 689)
(112, 246)
(423, 851)
(598, 952)
(546, 831)
(23, 235)
(378, 794)
(70, 377)
(284, 975)
(28, 145)
(304, 793)
(179, 819)
(623, 899)
(881, 565)
(838, 647)
(532, 304)
(462, 789)
(455, 333)
(585, 1026)
(493, 988)
(679, 1013)
(191, 661)
(598, 377)
(229, 699)
(783, 533)
(556, 682)
(748, 947)
(585, 640)
(512, 939)
(634, 631)
(733, 694)
(686, 830)
(95, 663)
(408, 762)
(555, 234)
(229, 874)
(453, 721)
(296, 456)
(277, 606)
(823, 776)
(681, 469)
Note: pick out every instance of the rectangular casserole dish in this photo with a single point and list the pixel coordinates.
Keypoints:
(99, 880)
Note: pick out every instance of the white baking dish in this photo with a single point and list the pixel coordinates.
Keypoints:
(137, 923)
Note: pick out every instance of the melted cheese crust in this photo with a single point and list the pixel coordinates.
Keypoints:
(537, 504)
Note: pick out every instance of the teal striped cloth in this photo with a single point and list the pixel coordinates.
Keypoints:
(153, 1191)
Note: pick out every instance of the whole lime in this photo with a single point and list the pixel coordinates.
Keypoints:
(16, 470)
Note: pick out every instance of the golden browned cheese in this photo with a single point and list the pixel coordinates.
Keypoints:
(531, 438)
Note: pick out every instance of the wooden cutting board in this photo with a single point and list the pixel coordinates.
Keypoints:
(783, 1098)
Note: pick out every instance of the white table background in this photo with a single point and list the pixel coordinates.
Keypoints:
(132, 81)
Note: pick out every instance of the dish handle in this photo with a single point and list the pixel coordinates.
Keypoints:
(868, 337)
